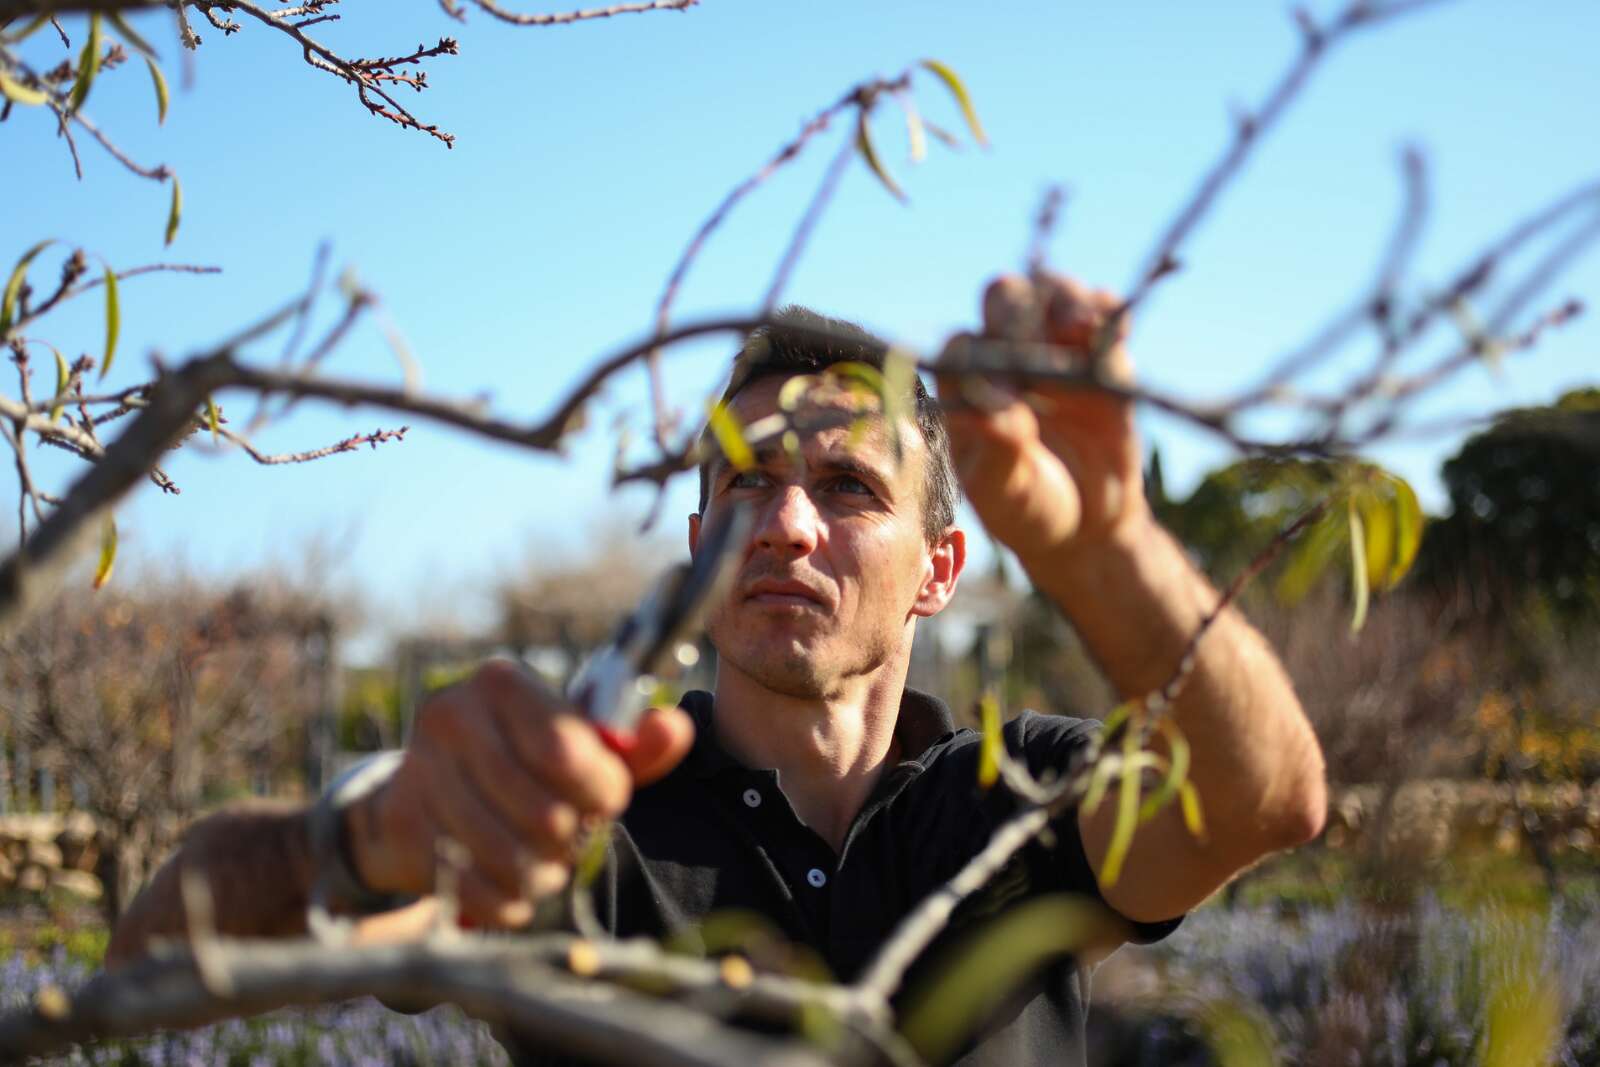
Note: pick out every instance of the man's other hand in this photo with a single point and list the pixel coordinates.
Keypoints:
(1049, 468)
(510, 772)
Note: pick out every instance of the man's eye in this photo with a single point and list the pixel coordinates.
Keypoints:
(849, 483)
(747, 480)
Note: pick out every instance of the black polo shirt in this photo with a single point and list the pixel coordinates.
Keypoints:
(717, 836)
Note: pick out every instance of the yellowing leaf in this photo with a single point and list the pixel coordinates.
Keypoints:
(725, 427)
(1358, 568)
(958, 90)
(1378, 522)
(1409, 521)
(793, 391)
(1177, 772)
(113, 321)
(870, 154)
(990, 748)
(162, 96)
(63, 379)
(16, 92)
(213, 418)
(1127, 813)
(176, 211)
(13, 289)
(1189, 801)
(916, 137)
(88, 66)
(108, 552)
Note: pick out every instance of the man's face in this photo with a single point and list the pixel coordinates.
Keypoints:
(837, 563)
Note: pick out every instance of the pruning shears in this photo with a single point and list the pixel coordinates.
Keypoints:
(615, 685)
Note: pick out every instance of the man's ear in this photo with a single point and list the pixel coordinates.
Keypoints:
(946, 558)
(694, 533)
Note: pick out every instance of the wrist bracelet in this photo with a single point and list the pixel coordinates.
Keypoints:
(336, 886)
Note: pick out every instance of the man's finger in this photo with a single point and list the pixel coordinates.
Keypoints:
(661, 740)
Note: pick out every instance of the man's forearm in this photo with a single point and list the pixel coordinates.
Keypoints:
(1137, 601)
(256, 865)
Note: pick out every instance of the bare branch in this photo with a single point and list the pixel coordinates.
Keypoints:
(495, 10)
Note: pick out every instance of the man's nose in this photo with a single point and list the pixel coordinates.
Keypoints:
(788, 523)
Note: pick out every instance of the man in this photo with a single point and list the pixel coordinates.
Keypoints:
(812, 787)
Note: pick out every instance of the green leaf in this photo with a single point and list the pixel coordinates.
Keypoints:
(88, 66)
(725, 427)
(1311, 556)
(945, 1008)
(592, 858)
(213, 418)
(113, 321)
(162, 96)
(19, 274)
(63, 379)
(1189, 801)
(38, 23)
(990, 749)
(16, 92)
(108, 552)
(176, 212)
(1099, 781)
(1127, 813)
(1177, 772)
(870, 154)
(132, 36)
(1358, 568)
(958, 90)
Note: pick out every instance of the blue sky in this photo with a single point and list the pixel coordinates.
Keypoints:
(587, 155)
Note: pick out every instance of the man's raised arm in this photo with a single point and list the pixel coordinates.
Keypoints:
(1059, 481)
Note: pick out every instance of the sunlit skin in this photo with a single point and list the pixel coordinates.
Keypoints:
(814, 636)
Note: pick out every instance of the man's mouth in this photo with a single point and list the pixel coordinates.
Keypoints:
(784, 593)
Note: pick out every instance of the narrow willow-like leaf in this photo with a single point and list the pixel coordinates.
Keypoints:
(794, 390)
(159, 80)
(1358, 569)
(1193, 818)
(16, 92)
(175, 213)
(1308, 558)
(113, 321)
(213, 419)
(18, 36)
(1376, 512)
(725, 427)
(592, 860)
(13, 289)
(1408, 525)
(1117, 717)
(990, 748)
(1177, 772)
(958, 89)
(916, 137)
(63, 379)
(869, 153)
(1127, 813)
(944, 1009)
(132, 36)
(1105, 769)
(108, 552)
(88, 66)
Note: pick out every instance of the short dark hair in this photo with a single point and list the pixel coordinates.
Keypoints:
(801, 341)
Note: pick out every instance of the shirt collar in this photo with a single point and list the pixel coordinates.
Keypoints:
(922, 722)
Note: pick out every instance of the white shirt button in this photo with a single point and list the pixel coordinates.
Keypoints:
(816, 878)
(752, 799)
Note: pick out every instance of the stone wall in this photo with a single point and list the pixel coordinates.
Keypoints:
(42, 852)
